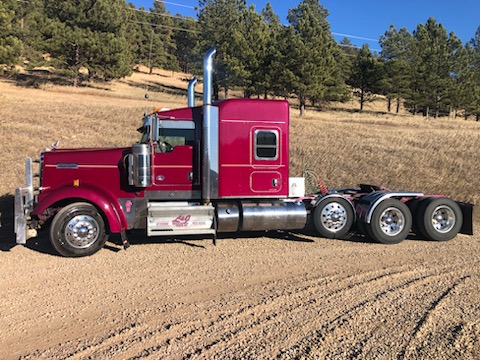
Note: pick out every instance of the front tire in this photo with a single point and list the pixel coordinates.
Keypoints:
(439, 219)
(333, 217)
(78, 230)
(390, 223)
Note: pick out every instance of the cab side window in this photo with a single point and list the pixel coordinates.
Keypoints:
(266, 145)
(169, 138)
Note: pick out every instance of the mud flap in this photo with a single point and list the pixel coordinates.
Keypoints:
(467, 211)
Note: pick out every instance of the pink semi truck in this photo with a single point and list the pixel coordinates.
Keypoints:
(219, 167)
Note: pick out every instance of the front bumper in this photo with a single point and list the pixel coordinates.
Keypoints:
(24, 199)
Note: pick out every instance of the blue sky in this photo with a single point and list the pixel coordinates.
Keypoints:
(369, 19)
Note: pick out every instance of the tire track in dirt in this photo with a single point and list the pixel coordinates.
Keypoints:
(244, 315)
(226, 339)
(281, 312)
(428, 298)
(311, 345)
(277, 291)
(81, 349)
(421, 325)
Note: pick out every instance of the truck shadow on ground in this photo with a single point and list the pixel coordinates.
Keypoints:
(41, 243)
(7, 237)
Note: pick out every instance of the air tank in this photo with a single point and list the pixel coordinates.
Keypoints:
(139, 166)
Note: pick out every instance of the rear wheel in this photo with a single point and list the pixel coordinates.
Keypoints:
(439, 219)
(390, 223)
(78, 230)
(333, 217)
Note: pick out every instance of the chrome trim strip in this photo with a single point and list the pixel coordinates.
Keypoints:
(85, 166)
(172, 166)
(266, 122)
(172, 195)
(255, 166)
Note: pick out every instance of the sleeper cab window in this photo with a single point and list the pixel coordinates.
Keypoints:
(266, 145)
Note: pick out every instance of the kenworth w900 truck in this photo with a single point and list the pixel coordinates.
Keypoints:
(202, 170)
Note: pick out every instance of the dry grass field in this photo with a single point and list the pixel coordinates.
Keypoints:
(262, 295)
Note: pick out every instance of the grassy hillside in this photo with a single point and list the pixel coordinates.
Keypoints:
(341, 146)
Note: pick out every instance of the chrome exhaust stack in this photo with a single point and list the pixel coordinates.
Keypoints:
(191, 92)
(210, 160)
(208, 76)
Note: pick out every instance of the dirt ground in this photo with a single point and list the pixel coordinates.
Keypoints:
(271, 295)
(256, 296)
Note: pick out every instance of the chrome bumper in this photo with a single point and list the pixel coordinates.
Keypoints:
(24, 204)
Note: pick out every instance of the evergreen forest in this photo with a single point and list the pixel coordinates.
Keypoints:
(430, 71)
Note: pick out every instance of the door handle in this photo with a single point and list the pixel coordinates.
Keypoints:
(275, 182)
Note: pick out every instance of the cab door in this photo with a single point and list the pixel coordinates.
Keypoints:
(173, 154)
(173, 169)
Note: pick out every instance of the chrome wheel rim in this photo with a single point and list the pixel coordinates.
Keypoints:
(443, 219)
(334, 217)
(392, 221)
(82, 231)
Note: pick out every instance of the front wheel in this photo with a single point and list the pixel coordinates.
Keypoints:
(390, 223)
(439, 219)
(333, 217)
(78, 230)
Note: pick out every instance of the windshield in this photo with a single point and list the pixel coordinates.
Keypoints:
(173, 132)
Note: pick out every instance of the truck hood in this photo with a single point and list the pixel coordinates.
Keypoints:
(75, 157)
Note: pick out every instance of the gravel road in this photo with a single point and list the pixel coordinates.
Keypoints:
(273, 295)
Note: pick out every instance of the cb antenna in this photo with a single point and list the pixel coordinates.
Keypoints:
(150, 71)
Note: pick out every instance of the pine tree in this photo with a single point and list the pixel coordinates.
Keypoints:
(347, 55)
(10, 45)
(186, 43)
(28, 19)
(220, 20)
(431, 69)
(162, 42)
(248, 51)
(271, 67)
(314, 71)
(90, 34)
(471, 84)
(366, 75)
(395, 53)
(141, 30)
(459, 73)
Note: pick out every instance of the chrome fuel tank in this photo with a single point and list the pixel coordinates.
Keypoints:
(261, 215)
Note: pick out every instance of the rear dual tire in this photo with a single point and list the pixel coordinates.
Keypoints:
(390, 223)
(439, 219)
